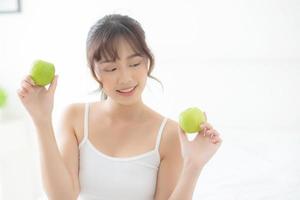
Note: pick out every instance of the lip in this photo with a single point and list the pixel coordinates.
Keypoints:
(127, 93)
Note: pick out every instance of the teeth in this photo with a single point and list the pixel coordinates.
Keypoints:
(128, 90)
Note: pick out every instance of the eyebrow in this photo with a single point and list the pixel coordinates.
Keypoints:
(128, 57)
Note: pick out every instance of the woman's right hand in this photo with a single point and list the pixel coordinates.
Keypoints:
(37, 100)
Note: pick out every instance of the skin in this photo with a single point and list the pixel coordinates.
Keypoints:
(181, 160)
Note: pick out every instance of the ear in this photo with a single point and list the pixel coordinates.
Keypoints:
(148, 64)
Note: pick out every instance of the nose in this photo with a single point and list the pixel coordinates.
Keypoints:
(125, 76)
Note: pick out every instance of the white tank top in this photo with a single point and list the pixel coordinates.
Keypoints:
(103, 177)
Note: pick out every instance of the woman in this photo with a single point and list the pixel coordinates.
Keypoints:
(116, 148)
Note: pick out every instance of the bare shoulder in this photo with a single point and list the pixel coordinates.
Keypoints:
(72, 111)
(171, 129)
(72, 116)
(170, 139)
(73, 108)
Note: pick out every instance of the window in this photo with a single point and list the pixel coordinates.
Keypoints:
(10, 6)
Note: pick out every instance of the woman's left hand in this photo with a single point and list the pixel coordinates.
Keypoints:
(200, 150)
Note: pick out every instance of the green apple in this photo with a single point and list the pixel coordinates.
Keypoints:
(191, 119)
(3, 97)
(42, 72)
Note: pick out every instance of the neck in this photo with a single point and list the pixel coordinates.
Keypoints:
(120, 113)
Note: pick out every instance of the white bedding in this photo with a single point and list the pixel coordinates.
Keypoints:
(253, 165)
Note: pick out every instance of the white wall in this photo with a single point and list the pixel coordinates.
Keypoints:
(237, 60)
(244, 54)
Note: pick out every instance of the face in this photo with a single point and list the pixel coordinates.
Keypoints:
(124, 79)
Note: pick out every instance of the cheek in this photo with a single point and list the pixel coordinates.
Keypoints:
(108, 83)
(143, 78)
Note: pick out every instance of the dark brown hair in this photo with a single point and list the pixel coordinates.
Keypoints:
(103, 37)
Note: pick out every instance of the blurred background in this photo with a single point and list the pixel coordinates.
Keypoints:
(237, 60)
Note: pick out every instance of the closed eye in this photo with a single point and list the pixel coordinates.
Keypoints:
(114, 69)
(110, 70)
(135, 65)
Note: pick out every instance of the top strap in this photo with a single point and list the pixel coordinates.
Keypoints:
(160, 131)
(85, 125)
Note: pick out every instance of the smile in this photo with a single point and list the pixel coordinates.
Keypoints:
(127, 92)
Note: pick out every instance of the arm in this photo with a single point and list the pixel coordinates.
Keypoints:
(58, 168)
(171, 164)
(183, 162)
(56, 178)
(187, 183)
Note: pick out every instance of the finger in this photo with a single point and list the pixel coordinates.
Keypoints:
(27, 86)
(203, 130)
(24, 90)
(206, 125)
(29, 80)
(53, 85)
(216, 139)
(21, 93)
(219, 142)
(212, 132)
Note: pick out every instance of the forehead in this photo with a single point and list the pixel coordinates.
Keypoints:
(119, 48)
(124, 49)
